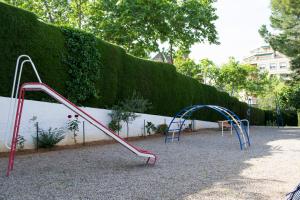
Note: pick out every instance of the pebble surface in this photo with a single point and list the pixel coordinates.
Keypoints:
(203, 165)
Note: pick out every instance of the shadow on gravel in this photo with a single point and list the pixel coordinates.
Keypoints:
(190, 169)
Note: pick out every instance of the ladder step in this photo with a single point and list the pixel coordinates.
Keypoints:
(174, 130)
(171, 138)
(176, 122)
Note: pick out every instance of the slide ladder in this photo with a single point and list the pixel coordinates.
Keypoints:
(176, 125)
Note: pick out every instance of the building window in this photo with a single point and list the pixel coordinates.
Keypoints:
(272, 66)
(262, 67)
(282, 65)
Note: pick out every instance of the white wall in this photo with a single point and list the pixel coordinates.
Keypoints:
(55, 115)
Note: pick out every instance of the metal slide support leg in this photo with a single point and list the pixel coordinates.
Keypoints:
(16, 131)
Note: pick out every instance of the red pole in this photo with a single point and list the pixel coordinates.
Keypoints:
(18, 127)
(16, 130)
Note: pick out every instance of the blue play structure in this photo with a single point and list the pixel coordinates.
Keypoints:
(295, 194)
(176, 124)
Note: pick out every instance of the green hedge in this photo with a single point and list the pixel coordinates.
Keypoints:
(121, 74)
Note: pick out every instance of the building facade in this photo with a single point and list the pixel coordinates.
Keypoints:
(268, 60)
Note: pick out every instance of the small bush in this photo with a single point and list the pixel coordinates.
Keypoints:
(20, 142)
(150, 127)
(115, 125)
(49, 138)
(73, 126)
(162, 128)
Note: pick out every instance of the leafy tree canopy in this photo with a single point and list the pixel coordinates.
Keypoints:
(285, 19)
(137, 25)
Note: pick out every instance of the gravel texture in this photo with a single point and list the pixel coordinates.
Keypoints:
(202, 165)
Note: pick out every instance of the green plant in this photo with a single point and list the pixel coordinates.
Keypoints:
(150, 127)
(162, 128)
(73, 126)
(126, 111)
(20, 142)
(116, 118)
(167, 90)
(271, 123)
(115, 125)
(83, 62)
(49, 138)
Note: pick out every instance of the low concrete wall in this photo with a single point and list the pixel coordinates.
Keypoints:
(56, 116)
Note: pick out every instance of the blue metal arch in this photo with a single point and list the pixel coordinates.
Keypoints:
(190, 109)
(242, 124)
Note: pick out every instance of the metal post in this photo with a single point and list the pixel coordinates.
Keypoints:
(118, 127)
(231, 124)
(144, 128)
(193, 125)
(249, 109)
(222, 127)
(37, 136)
(83, 132)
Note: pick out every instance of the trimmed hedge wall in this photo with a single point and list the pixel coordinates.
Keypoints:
(121, 74)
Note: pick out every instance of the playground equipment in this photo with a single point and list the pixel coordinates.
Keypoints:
(176, 124)
(295, 194)
(39, 86)
(244, 121)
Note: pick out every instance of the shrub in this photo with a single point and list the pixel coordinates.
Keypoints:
(49, 138)
(73, 126)
(115, 126)
(162, 128)
(126, 111)
(150, 127)
(83, 62)
(20, 142)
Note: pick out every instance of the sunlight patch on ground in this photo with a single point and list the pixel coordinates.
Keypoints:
(269, 176)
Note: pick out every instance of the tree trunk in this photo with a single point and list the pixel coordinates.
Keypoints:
(79, 12)
(127, 124)
(171, 52)
(232, 89)
(48, 12)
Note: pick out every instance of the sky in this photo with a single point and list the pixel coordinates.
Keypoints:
(237, 27)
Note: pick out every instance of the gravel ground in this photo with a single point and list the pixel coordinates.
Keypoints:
(202, 165)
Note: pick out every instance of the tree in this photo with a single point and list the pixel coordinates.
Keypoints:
(209, 71)
(126, 111)
(79, 13)
(186, 66)
(272, 90)
(75, 13)
(255, 82)
(232, 76)
(52, 11)
(241, 79)
(290, 97)
(141, 25)
(285, 19)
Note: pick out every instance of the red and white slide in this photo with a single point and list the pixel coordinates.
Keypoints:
(35, 86)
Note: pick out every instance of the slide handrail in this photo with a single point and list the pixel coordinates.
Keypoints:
(14, 94)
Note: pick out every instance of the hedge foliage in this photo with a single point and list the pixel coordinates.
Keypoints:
(83, 63)
(121, 74)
